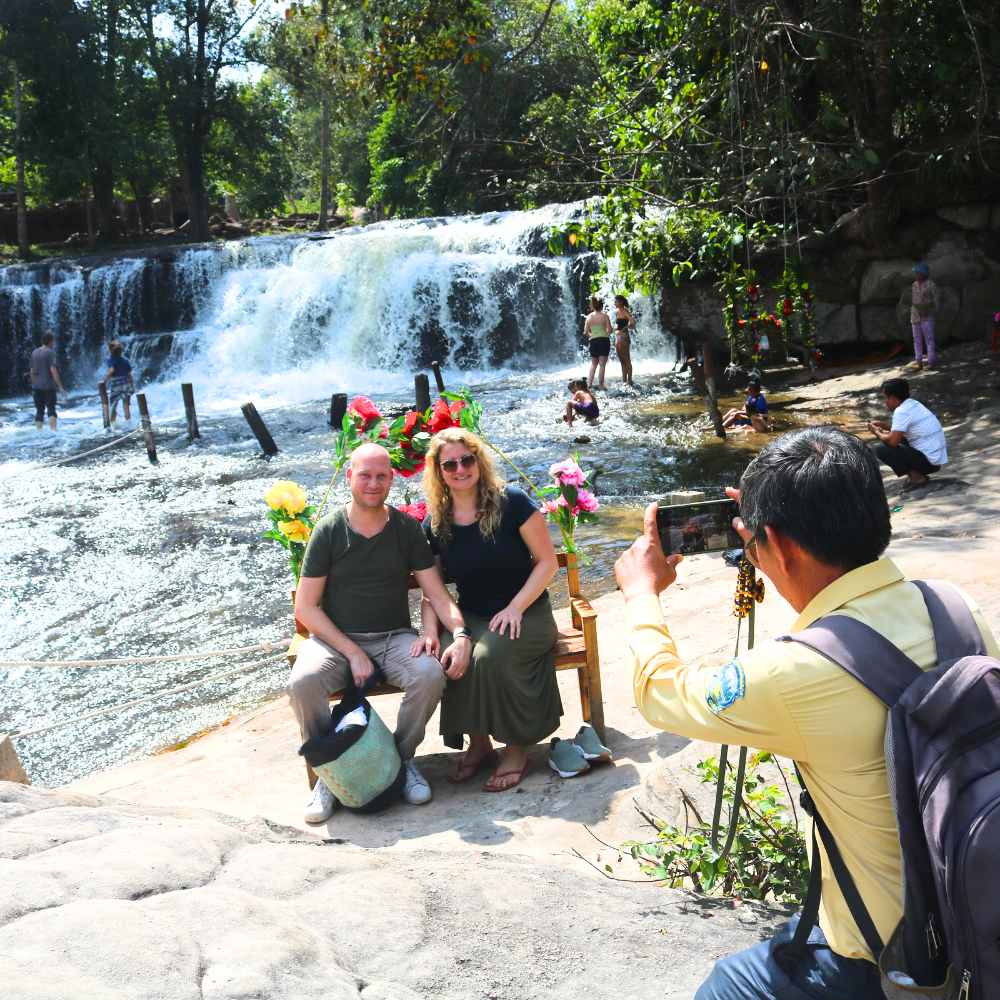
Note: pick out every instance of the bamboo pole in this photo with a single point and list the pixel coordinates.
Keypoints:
(422, 392)
(147, 428)
(259, 429)
(102, 388)
(187, 391)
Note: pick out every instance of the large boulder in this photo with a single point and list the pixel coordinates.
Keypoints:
(979, 302)
(883, 280)
(975, 216)
(954, 260)
(945, 319)
(105, 899)
(836, 324)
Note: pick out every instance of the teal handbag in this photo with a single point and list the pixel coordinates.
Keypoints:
(360, 764)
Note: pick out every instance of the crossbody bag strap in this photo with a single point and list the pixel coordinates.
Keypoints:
(848, 888)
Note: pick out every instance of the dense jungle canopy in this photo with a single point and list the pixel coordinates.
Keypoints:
(747, 118)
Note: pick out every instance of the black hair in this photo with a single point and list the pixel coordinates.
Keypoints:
(823, 489)
(897, 387)
(47, 338)
(116, 348)
(621, 301)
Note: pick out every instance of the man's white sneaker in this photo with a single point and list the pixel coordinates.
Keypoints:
(416, 791)
(322, 804)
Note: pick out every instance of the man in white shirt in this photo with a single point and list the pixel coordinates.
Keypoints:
(914, 445)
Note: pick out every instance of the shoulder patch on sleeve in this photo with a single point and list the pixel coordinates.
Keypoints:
(724, 686)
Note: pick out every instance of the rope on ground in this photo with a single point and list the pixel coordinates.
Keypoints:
(125, 706)
(260, 647)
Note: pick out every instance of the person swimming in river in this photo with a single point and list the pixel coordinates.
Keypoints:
(625, 322)
(581, 404)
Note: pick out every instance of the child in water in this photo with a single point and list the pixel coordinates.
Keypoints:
(582, 403)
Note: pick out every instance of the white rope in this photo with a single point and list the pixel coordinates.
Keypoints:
(180, 689)
(261, 647)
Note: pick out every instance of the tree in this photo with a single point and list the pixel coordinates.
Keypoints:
(191, 44)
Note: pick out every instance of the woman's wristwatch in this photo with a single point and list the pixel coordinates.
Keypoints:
(461, 632)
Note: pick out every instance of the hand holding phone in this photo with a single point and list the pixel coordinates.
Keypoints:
(644, 568)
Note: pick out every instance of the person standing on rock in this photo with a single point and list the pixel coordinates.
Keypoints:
(625, 322)
(914, 446)
(45, 381)
(924, 302)
(353, 596)
(815, 521)
(597, 330)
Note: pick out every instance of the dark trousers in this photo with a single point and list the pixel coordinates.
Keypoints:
(45, 399)
(901, 458)
(767, 972)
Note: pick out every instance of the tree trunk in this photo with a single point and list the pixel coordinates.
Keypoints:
(324, 139)
(324, 163)
(704, 378)
(88, 214)
(23, 247)
(103, 181)
(194, 186)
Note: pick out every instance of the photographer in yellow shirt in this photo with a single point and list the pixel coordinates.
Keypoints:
(815, 521)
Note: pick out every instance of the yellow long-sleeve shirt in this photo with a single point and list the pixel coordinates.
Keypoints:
(785, 698)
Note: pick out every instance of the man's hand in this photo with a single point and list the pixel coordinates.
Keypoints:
(429, 644)
(643, 568)
(361, 667)
(738, 526)
(455, 660)
(509, 617)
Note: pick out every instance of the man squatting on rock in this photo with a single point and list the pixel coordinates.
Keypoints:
(914, 445)
(353, 598)
(814, 520)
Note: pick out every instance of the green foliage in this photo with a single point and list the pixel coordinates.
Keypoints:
(768, 857)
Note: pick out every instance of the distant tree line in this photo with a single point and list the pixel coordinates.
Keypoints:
(787, 113)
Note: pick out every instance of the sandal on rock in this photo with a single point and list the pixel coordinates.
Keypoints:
(499, 775)
(466, 769)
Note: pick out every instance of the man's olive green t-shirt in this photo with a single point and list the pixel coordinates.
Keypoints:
(367, 579)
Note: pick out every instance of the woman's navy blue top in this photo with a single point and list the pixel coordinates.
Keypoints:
(488, 574)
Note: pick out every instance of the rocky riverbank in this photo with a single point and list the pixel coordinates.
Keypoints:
(489, 892)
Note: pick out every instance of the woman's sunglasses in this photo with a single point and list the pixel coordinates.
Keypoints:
(466, 461)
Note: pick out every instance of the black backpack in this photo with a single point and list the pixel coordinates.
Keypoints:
(942, 753)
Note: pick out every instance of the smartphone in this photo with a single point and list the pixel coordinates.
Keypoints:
(707, 526)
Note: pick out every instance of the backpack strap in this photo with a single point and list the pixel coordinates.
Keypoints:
(848, 888)
(865, 654)
(956, 633)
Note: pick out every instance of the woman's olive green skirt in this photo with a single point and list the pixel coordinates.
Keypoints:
(509, 691)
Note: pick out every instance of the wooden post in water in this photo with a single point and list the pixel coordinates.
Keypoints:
(422, 391)
(436, 368)
(147, 428)
(187, 391)
(102, 388)
(338, 407)
(10, 765)
(259, 429)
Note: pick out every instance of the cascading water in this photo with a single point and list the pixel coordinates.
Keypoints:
(110, 556)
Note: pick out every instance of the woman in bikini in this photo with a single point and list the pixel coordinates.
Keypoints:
(597, 329)
(625, 322)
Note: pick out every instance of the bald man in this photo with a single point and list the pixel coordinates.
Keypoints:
(353, 598)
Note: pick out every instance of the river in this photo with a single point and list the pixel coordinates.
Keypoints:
(109, 556)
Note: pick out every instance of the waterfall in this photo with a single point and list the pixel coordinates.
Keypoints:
(292, 318)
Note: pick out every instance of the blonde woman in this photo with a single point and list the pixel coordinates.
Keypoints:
(492, 542)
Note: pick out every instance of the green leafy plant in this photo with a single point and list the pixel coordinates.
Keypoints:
(768, 856)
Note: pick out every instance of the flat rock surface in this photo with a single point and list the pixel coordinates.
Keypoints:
(472, 895)
(108, 900)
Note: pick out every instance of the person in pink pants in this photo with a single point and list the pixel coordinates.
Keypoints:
(923, 306)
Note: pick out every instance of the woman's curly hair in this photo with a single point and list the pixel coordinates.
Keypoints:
(490, 488)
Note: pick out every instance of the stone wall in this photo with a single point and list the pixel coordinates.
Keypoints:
(863, 296)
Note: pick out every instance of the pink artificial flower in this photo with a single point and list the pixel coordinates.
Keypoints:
(586, 501)
(567, 472)
(549, 506)
(561, 502)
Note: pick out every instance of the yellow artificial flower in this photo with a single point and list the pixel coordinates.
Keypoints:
(286, 495)
(295, 531)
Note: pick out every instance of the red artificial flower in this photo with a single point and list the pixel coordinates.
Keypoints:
(411, 425)
(786, 307)
(412, 471)
(777, 322)
(445, 416)
(363, 408)
(417, 510)
(741, 322)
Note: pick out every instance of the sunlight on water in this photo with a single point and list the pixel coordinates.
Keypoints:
(110, 556)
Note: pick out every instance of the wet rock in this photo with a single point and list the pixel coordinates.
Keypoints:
(967, 216)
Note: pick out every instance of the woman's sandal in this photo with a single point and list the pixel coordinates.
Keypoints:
(499, 775)
(465, 769)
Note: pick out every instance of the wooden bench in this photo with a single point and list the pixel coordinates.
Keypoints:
(575, 649)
